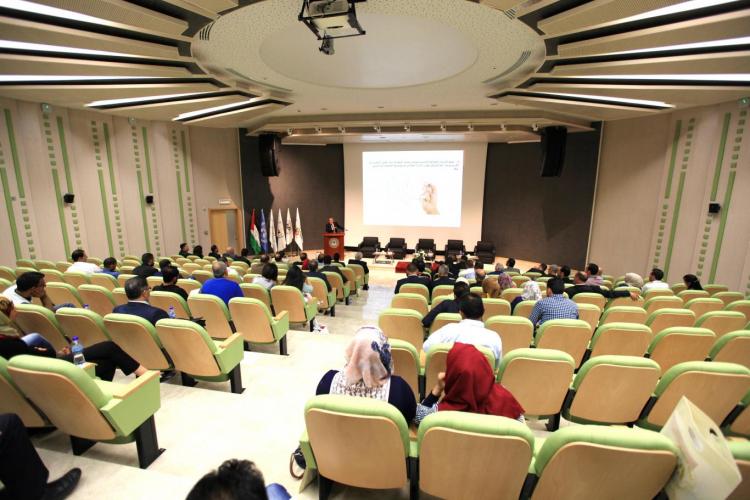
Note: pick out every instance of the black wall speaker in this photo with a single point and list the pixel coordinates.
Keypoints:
(269, 146)
(714, 208)
(149, 199)
(68, 198)
(553, 150)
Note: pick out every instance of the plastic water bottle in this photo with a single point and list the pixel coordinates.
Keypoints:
(77, 350)
(171, 312)
(85, 306)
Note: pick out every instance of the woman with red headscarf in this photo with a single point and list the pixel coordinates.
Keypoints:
(469, 385)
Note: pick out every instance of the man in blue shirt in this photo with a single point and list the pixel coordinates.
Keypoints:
(220, 285)
(109, 266)
(555, 306)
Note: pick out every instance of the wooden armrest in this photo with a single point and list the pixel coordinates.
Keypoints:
(90, 369)
(279, 316)
(230, 340)
(122, 391)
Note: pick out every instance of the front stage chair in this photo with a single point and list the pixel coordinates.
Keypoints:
(426, 245)
(398, 247)
(485, 252)
(454, 248)
(369, 245)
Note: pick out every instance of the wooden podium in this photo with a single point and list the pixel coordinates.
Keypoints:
(333, 243)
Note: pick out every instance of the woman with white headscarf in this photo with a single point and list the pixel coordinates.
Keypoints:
(531, 291)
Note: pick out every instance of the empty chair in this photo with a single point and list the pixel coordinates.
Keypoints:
(702, 305)
(510, 294)
(678, 287)
(624, 314)
(505, 443)
(518, 282)
(441, 290)
(732, 347)
(589, 461)
(154, 281)
(257, 291)
(43, 265)
(214, 311)
(403, 324)
(62, 265)
(712, 386)
(626, 301)
(32, 318)
(63, 293)
(589, 313)
(197, 355)
(418, 289)
(75, 278)
(189, 284)
(538, 378)
(165, 300)
(4, 284)
(662, 302)
(567, 335)
(89, 409)
(524, 308)
(106, 280)
(191, 267)
(120, 296)
(253, 320)
(7, 273)
(688, 295)
(426, 245)
(52, 276)
(369, 245)
(443, 319)
(406, 363)
(454, 248)
(624, 339)
(95, 260)
(98, 298)
(666, 318)
(515, 332)
(658, 292)
(678, 344)
(721, 322)
(611, 389)
(290, 299)
(397, 246)
(340, 427)
(485, 252)
(12, 400)
(202, 276)
(495, 307)
(123, 278)
(352, 280)
(25, 263)
(741, 453)
(410, 301)
(342, 290)
(597, 299)
(729, 297)
(137, 337)
(713, 288)
(86, 324)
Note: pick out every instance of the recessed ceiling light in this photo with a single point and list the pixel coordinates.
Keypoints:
(674, 9)
(729, 42)
(53, 12)
(724, 77)
(64, 78)
(42, 47)
(227, 107)
(131, 100)
(611, 99)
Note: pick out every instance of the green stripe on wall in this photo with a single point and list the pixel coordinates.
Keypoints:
(61, 211)
(148, 160)
(673, 158)
(722, 225)
(14, 154)
(675, 219)
(105, 210)
(185, 161)
(112, 184)
(179, 202)
(64, 150)
(11, 213)
(143, 209)
(720, 155)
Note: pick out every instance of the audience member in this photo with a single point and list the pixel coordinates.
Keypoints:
(296, 278)
(314, 273)
(470, 330)
(358, 260)
(368, 373)
(242, 257)
(505, 281)
(337, 258)
(279, 257)
(164, 263)
(564, 274)
(184, 250)
(633, 279)
(146, 268)
(109, 266)
(138, 292)
(553, 270)
(412, 276)
(80, 264)
(555, 306)
(468, 384)
(198, 251)
(655, 281)
(220, 285)
(214, 252)
(531, 291)
(453, 266)
(541, 269)
(581, 286)
(479, 275)
(331, 268)
(27, 287)
(229, 253)
(257, 267)
(593, 277)
(170, 275)
(269, 276)
(692, 282)
(499, 269)
(491, 288)
(419, 262)
(510, 266)
(442, 277)
(303, 261)
(22, 471)
(471, 272)
(460, 289)
(236, 480)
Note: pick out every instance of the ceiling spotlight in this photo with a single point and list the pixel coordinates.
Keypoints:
(535, 127)
(46, 108)
(377, 128)
(131, 121)
(289, 131)
(342, 130)
(326, 47)
(470, 127)
(502, 127)
(407, 128)
(443, 127)
(318, 130)
(329, 19)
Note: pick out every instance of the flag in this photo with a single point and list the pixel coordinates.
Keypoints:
(271, 232)
(254, 236)
(263, 233)
(298, 232)
(280, 239)
(289, 235)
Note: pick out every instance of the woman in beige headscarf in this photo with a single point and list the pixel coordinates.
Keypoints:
(633, 279)
(367, 373)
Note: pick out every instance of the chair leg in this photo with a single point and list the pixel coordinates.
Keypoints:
(333, 311)
(554, 422)
(413, 464)
(421, 385)
(246, 346)
(312, 326)
(346, 301)
(187, 380)
(147, 443)
(282, 346)
(235, 380)
(325, 486)
(80, 445)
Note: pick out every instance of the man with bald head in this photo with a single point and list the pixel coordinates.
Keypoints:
(220, 285)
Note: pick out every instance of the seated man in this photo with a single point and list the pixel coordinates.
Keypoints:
(80, 264)
(555, 306)
(170, 275)
(146, 268)
(442, 277)
(593, 276)
(510, 266)
(655, 281)
(412, 276)
(580, 286)
(358, 260)
(236, 480)
(499, 269)
(214, 252)
(220, 285)
(229, 253)
(242, 257)
(541, 269)
(138, 292)
(470, 273)
(109, 266)
(331, 268)
(564, 274)
(337, 258)
(184, 250)
(479, 275)
(460, 288)
(314, 273)
(29, 286)
(257, 267)
(470, 330)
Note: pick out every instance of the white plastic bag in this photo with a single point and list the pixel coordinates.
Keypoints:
(706, 468)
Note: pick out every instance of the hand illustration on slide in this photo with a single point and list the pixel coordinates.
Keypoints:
(429, 199)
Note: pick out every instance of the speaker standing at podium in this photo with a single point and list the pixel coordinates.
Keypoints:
(333, 227)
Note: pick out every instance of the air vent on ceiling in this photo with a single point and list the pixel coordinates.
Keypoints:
(519, 62)
(205, 32)
(510, 13)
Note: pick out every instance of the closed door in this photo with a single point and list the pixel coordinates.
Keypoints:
(224, 228)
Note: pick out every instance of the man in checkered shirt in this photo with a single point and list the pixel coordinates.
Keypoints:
(555, 306)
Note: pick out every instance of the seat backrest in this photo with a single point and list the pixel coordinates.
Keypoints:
(290, 299)
(252, 318)
(518, 282)
(721, 322)
(52, 276)
(370, 241)
(702, 305)
(256, 291)
(336, 282)
(515, 332)
(189, 284)
(165, 300)
(484, 246)
(106, 280)
(713, 288)
(202, 276)
(339, 427)
(7, 273)
(137, 337)
(440, 298)
(349, 273)
(741, 424)
(212, 309)
(123, 278)
(623, 339)
(189, 346)
(511, 293)
(86, 324)
(437, 358)
(612, 389)
(417, 288)
(669, 317)
(590, 298)
(589, 313)
(658, 292)
(25, 263)
(441, 290)
(13, 401)
(568, 335)
(588, 461)
(75, 278)
(120, 296)
(406, 363)
(191, 267)
(524, 308)
(4, 284)
(624, 314)
(741, 452)
(732, 347)
(98, 298)
(154, 281)
(65, 393)
(320, 292)
(396, 242)
(626, 301)
(662, 302)
(63, 293)
(359, 271)
(495, 307)
(410, 301)
(679, 344)
(729, 297)
(688, 295)
(443, 319)
(487, 439)
(455, 244)
(403, 324)
(538, 378)
(32, 318)
(44, 264)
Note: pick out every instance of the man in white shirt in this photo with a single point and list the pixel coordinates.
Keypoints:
(655, 281)
(28, 286)
(80, 265)
(470, 330)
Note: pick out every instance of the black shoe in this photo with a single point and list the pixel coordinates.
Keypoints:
(365, 287)
(166, 375)
(62, 487)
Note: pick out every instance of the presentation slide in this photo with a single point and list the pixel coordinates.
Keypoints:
(412, 188)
